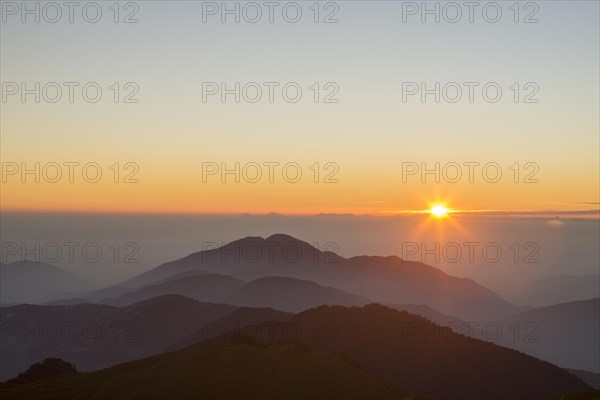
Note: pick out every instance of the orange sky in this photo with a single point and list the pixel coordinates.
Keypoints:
(358, 193)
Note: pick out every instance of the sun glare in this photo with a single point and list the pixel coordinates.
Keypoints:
(439, 211)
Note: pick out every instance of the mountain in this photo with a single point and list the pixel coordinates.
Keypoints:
(559, 289)
(205, 287)
(46, 368)
(584, 395)
(591, 378)
(410, 352)
(564, 334)
(66, 302)
(35, 282)
(289, 294)
(98, 295)
(427, 312)
(184, 274)
(241, 370)
(251, 257)
(93, 336)
(396, 281)
(395, 349)
(238, 323)
(381, 279)
(286, 294)
(115, 291)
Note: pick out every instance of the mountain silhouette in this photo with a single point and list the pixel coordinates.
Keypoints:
(398, 349)
(381, 279)
(241, 370)
(93, 336)
(204, 287)
(285, 294)
(234, 324)
(591, 378)
(46, 368)
(289, 294)
(242, 257)
(35, 282)
(410, 352)
(564, 334)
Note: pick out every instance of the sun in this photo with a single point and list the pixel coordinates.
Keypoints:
(439, 211)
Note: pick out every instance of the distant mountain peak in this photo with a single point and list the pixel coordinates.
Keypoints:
(44, 369)
(277, 247)
(277, 237)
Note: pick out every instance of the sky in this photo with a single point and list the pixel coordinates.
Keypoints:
(356, 148)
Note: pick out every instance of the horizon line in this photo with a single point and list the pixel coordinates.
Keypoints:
(549, 214)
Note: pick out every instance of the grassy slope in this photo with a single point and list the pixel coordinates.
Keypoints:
(213, 370)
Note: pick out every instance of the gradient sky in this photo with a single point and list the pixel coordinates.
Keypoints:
(368, 134)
